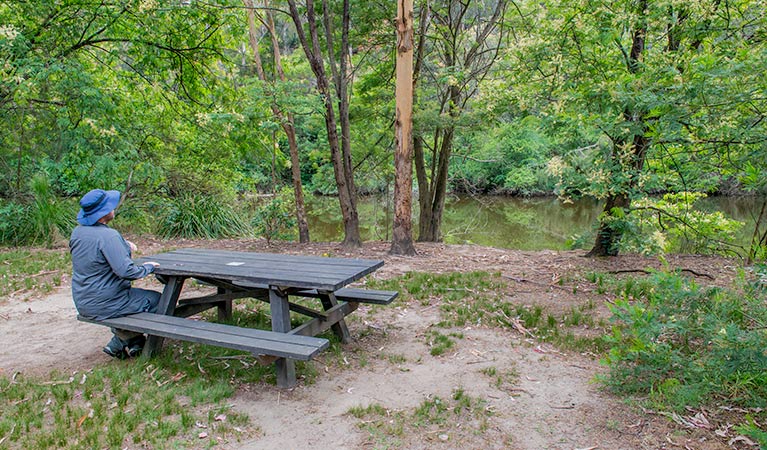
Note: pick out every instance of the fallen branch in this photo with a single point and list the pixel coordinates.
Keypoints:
(697, 274)
(525, 280)
(44, 273)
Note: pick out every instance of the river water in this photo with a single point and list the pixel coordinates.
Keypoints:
(506, 222)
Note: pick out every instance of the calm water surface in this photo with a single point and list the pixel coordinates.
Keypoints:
(506, 222)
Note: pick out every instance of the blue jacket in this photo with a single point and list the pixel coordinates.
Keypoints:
(102, 270)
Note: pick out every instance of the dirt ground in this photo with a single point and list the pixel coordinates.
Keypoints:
(550, 402)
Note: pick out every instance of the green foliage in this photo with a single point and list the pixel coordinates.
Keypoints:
(197, 216)
(510, 159)
(45, 220)
(686, 345)
(275, 218)
(673, 223)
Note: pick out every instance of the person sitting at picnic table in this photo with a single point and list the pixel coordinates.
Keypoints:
(102, 271)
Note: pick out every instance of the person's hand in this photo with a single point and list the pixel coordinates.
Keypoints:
(132, 246)
(155, 264)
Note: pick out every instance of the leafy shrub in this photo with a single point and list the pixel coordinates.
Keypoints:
(275, 218)
(674, 224)
(670, 224)
(45, 220)
(684, 345)
(198, 216)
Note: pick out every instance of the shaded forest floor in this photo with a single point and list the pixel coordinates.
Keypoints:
(495, 388)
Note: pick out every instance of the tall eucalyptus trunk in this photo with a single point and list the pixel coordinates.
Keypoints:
(402, 230)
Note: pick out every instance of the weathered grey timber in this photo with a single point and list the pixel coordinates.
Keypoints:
(355, 295)
(257, 342)
(272, 278)
(307, 272)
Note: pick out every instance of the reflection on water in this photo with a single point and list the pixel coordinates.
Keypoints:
(506, 222)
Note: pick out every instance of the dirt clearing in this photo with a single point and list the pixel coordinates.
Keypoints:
(495, 388)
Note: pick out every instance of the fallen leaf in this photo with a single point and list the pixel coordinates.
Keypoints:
(202, 435)
(220, 418)
(742, 439)
(723, 430)
(81, 420)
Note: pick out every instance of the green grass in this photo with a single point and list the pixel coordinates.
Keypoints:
(195, 216)
(438, 343)
(509, 377)
(37, 270)
(162, 402)
(388, 429)
(157, 403)
(481, 298)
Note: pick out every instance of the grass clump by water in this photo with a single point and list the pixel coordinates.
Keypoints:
(682, 345)
(196, 216)
(40, 219)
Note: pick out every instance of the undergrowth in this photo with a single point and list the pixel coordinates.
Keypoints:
(682, 345)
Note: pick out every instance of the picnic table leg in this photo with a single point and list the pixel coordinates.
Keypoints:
(286, 368)
(225, 307)
(339, 328)
(167, 306)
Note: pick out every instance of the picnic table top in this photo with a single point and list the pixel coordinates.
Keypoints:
(273, 269)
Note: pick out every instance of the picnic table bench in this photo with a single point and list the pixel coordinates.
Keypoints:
(272, 278)
(257, 342)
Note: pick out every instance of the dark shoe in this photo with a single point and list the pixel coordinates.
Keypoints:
(116, 348)
(135, 345)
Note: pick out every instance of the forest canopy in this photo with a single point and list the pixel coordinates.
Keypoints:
(188, 106)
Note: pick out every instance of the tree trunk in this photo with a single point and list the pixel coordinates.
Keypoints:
(314, 55)
(422, 179)
(402, 234)
(287, 124)
(290, 131)
(474, 62)
(608, 235)
(759, 238)
(342, 78)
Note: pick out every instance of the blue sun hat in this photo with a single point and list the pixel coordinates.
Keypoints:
(97, 204)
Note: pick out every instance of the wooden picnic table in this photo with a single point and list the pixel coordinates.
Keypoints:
(270, 277)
